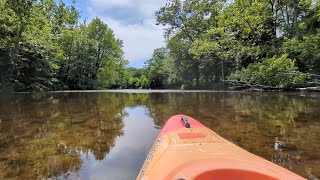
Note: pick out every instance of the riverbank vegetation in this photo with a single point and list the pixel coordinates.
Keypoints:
(44, 46)
(253, 41)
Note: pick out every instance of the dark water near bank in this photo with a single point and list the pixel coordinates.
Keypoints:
(107, 135)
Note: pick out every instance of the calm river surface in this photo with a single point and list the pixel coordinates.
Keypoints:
(107, 135)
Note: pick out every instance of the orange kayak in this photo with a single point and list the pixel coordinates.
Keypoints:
(186, 149)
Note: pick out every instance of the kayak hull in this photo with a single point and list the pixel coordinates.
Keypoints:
(193, 151)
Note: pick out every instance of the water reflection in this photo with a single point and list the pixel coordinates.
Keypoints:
(98, 135)
(43, 135)
(126, 158)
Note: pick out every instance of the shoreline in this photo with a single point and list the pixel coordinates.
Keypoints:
(148, 91)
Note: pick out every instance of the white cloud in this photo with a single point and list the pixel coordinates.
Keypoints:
(139, 39)
(110, 3)
(132, 21)
(145, 7)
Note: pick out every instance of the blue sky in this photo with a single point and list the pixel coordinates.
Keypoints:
(132, 21)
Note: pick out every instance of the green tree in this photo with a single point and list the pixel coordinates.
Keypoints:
(93, 57)
(306, 52)
(271, 72)
(44, 47)
(186, 21)
(144, 82)
(208, 40)
(28, 42)
(160, 68)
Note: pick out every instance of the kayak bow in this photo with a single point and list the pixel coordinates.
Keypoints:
(186, 149)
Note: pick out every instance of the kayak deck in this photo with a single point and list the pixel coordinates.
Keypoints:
(193, 151)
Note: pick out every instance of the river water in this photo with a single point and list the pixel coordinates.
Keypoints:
(107, 135)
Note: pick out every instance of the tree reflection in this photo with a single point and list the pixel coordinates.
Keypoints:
(284, 108)
(287, 121)
(42, 135)
(202, 106)
(48, 135)
(255, 121)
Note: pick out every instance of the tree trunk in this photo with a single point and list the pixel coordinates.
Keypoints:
(197, 75)
(295, 18)
(2, 80)
(222, 70)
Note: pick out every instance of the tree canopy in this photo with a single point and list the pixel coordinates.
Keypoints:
(210, 40)
(44, 46)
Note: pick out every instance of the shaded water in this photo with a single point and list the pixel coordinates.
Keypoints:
(99, 135)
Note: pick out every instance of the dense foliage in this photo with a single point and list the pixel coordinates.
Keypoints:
(209, 40)
(44, 47)
(273, 72)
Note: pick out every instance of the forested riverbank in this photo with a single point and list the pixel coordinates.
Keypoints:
(45, 46)
(258, 42)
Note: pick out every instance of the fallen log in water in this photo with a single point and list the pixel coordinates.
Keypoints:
(310, 89)
(242, 85)
(304, 85)
(303, 74)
